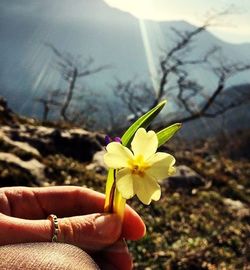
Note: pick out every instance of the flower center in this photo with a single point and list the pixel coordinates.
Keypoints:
(138, 166)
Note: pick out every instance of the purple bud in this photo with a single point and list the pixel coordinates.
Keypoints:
(117, 139)
(107, 139)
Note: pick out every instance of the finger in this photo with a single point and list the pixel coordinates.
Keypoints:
(133, 226)
(60, 200)
(91, 232)
(117, 256)
(64, 201)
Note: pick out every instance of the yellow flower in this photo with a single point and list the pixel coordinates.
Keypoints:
(139, 169)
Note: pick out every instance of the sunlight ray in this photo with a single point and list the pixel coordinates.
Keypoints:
(36, 84)
(40, 76)
(149, 55)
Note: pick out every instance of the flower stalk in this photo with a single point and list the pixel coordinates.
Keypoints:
(114, 202)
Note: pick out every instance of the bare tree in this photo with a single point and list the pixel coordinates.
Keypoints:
(72, 69)
(86, 116)
(49, 101)
(137, 97)
(185, 90)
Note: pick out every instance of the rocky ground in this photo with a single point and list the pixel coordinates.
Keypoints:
(202, 220)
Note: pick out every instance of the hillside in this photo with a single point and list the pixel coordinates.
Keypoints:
(111, 37)
(202, 219)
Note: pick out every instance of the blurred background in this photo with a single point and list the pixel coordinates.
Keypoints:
(72, 71)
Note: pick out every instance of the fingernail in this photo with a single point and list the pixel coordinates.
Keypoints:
(108, 225)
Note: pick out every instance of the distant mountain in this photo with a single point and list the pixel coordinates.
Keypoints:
(234, 120)
(87, 28)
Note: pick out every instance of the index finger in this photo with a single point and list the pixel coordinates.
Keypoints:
(65, 201)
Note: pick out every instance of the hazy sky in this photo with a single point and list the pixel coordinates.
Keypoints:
(233, 28)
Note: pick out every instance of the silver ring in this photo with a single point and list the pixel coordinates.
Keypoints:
(54, 221)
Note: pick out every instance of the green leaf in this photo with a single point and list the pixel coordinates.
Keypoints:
(144, 121)
(165, 134)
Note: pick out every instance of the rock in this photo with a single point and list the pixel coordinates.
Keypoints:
(21, 145)
(240, 209)
(84, 143)
(185, 178)
(30, 153)
(33, 167)
(78, 144)
(98, 164)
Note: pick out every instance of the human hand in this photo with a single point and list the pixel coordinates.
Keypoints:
(81, 219)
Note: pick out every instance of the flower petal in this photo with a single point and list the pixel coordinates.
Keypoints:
(144, 143)
(146, 188)
(124, 183)
(161, 165)
(117, 155)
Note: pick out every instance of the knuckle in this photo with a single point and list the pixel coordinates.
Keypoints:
(66, 231)
(76, 231)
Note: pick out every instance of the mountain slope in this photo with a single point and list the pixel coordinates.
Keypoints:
(87, 28)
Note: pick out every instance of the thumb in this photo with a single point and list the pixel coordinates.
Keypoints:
(90, 232)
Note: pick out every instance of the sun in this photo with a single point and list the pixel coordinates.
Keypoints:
(156, 10)
(142, 9)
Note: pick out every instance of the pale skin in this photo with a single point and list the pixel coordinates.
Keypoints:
(82, 223)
